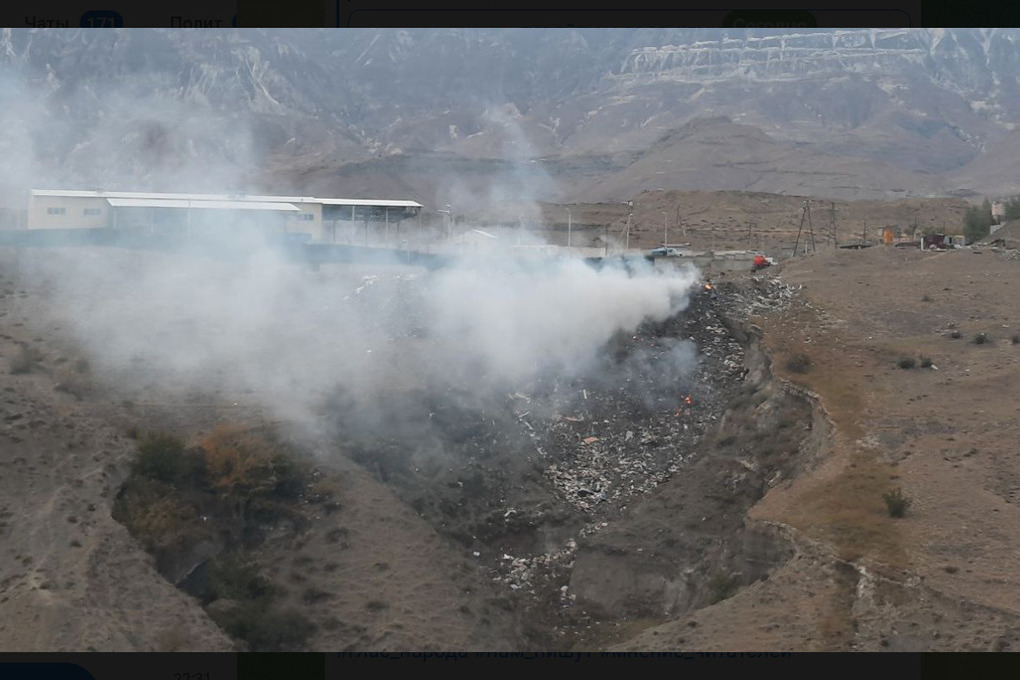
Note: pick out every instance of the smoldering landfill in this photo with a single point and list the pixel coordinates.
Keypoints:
(517, 407)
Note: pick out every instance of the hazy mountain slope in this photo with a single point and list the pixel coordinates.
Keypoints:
(236, 108)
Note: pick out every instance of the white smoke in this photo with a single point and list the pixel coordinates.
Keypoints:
(270, 329)
(290, 336)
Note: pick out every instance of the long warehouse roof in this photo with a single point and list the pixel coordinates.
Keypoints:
(205, 205)
(237, 198)
(381, 202)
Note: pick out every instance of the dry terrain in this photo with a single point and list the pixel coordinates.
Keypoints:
(775, 535)
(941, 578)
(728, 220)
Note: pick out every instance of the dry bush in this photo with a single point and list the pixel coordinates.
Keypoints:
(162, 456)
(237, 577)
(800, 363)
(896, 503)
(266, 629)
(238, 460)
(24, 359)
(722, 587)
(73, 382)
(172, 640)
(153, 513)
(243, 463)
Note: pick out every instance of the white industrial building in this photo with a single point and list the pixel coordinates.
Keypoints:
(306, 217)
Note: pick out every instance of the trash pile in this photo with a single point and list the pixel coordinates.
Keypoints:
(520, 475)
(761, 295)
(521, 573)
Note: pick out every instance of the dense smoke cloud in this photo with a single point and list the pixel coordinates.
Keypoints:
(291, 337)
(270, 329)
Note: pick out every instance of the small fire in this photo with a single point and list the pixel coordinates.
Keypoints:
(686, 401)
(708, 286)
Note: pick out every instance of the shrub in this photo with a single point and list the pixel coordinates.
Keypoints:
(153, 513)
(266, 629)
(24, 359)
(280, 631)
(240, 462)
(800, 363)
(955, 335)
(161, 456)
(906, 362)
(73, 382)
(1016, 339)
(314, 595)
(896, 503)
(234, 576)
(926, 362)
(980, 338)
(722, 587)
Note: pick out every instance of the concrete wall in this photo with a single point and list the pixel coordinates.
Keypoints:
(67, 212)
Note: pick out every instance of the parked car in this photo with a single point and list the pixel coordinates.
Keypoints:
(667, 252)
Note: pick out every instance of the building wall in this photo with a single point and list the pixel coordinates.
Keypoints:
(67, 212)
(308, 221)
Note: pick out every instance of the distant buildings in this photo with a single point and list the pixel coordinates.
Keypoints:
(321, 220)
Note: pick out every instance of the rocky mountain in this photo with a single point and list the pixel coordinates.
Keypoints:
(468, 115)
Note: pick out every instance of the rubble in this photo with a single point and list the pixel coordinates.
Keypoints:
(764, 294)
(588, 446)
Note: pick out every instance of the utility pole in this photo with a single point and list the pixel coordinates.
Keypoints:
(665, 229)
(605, 240)
(811, 227)
(569, 224)
(864, 234)
(800, 229)
(832, 220)
(627, 237)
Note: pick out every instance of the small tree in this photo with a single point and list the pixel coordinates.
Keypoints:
(1012, 211)
(161, 456)
(977, 222)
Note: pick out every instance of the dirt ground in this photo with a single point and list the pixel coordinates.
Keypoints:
(942, 577)
(802, 556)
(733, 220)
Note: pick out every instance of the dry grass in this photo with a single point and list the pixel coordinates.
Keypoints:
(847, 510)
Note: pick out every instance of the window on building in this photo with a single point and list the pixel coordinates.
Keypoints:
(306, 217)
(93, 211)
(56, 211)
